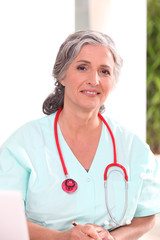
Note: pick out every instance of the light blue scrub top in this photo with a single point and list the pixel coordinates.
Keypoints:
(29, 162)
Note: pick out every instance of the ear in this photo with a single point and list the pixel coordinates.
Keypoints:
(63, 82)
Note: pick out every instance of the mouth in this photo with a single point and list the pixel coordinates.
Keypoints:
(90, 93)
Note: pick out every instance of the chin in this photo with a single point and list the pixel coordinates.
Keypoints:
(90, 108)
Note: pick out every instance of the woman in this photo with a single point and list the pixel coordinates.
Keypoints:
(86, 70)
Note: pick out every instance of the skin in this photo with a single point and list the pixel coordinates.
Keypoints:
(134, 231)
(91, 70)
(88, 81)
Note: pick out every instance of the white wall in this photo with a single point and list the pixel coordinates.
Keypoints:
(125, 22)
(31, 32)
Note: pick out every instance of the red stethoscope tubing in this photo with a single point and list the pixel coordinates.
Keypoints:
(57, 142)
(114, 164)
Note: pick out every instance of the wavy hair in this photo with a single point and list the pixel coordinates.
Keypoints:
(68, 51)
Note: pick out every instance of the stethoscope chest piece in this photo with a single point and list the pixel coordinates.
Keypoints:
(69, 185)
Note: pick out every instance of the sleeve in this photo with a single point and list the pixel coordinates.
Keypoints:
(13, 175)
(149, 199)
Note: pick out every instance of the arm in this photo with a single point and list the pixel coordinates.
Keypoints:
(135, 230)
(83, 232)
(37, 232)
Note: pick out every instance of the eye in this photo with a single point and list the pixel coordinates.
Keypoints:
(81, 68)
(105, 72)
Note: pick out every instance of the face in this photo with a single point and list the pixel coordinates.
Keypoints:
(89, 78)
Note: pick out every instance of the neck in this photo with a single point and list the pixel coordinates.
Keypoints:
(79, 121)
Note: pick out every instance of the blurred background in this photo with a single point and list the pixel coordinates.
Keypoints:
(153, 75)
(31, 33)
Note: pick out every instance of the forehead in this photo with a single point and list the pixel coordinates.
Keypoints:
(94, 52)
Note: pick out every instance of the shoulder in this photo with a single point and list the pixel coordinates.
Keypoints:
(118, 128)
(29, 142)
(126, 139)
(31, 131)
(132, 151)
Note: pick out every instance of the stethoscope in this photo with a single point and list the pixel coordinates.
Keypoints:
(70, 186)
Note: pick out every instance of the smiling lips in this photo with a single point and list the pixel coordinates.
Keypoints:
(90, 93)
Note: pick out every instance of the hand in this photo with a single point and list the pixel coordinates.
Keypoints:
(102, 232)
(80, 232)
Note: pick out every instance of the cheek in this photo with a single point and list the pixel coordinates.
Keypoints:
(70, 86)
(66, 82)
(108, 86)
(74, 82)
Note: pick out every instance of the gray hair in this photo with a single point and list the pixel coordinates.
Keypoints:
(67, 53)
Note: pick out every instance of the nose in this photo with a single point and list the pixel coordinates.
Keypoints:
(94, 79)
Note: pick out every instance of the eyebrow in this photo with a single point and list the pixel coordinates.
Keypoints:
(85, 61)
